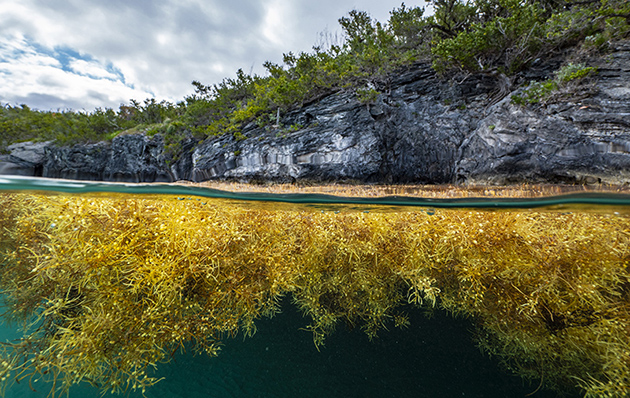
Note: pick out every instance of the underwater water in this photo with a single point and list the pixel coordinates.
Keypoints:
(312, 294)
(433, 358)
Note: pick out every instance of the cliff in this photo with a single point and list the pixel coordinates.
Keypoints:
(423, 129)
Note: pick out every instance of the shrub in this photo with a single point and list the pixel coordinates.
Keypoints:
(537, 92)
(367, 95)
(506, 41)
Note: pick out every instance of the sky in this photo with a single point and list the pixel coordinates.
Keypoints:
(88, 54)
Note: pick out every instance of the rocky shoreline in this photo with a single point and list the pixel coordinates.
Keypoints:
(423, 129)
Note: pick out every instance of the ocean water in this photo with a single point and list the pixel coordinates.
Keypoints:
(434, 356)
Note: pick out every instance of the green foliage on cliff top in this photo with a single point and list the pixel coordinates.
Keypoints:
(473, 36)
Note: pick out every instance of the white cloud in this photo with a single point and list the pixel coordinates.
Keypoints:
(27, 73)
(91, 69)
(73, 52)
(278, 21)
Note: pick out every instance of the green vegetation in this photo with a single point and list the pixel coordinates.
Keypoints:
(564, 77)
(20, 123)
(471, 36)
(107, 288)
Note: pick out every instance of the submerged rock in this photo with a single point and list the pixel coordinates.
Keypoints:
(422, 129)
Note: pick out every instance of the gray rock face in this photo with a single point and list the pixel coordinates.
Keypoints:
(406, 136)
(137, 158)
(341, 143)
(583, 139)
(26, 159)
(128, 158)
(424, 129)
(77, 162)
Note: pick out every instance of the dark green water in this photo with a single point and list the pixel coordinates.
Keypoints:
(434, 357)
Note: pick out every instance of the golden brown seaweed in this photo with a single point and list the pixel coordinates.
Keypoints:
(109, 287)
